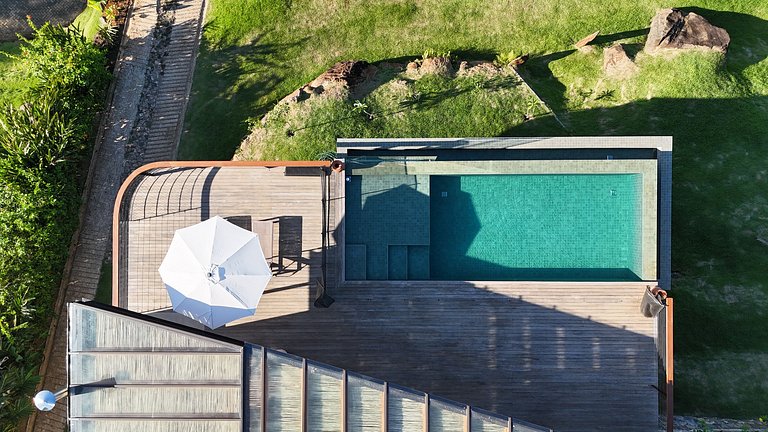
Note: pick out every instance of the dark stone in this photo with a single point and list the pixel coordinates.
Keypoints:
(675, 29)
(350, 73)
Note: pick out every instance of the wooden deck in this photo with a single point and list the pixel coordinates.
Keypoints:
(576, 357)
(572, 356)
(174, 198)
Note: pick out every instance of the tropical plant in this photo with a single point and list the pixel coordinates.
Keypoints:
(327, 155)
(96, 4)
(14, 405)
(37, 135)
(42, 143)
(64, 61)
(505, 59)
(433, 53)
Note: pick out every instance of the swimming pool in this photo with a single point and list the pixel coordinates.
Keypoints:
(535, 227)
(538, 227)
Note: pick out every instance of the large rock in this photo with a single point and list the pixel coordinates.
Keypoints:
(349, 73)
(437, 66)
(617, 64)
(412, 69)
(483, 68)
(675, 29)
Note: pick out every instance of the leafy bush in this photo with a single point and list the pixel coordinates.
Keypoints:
(506, 58)
(42, 142)
(65, 62)
(37, 136)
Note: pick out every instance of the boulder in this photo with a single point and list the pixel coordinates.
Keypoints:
(617, 64)
(483, 68)
(675, 29)
(348, 73)
(412, 69)
(436, 65)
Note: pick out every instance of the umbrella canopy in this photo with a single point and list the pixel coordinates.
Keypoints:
(215, 272)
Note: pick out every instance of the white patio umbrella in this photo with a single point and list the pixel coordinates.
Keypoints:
(215, 272)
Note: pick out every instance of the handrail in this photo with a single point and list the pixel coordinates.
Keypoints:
(669, 365)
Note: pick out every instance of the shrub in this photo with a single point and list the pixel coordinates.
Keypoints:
(65, 62)
(37, 136)
(42, 143)
(505, 59)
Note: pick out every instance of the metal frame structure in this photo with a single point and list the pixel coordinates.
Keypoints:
(474, 418)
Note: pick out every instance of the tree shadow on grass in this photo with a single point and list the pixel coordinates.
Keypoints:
(719, 214)
(468, 54)
(538, 73)
(421, 101)
(748, 34)
(230, 86)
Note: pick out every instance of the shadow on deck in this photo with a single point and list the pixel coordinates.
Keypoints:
(573, 356)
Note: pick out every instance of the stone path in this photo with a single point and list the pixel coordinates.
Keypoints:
(143, 124)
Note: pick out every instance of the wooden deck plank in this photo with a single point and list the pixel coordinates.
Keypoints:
(573, 356)
(160, 204)
(525, 358)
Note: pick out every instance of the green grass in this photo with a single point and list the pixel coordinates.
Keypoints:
(716, 108)
(431, 106)
(104, 288)
(13, 81)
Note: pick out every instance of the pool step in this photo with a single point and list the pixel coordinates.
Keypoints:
(408, 262)
(398, 262)
(355, 263)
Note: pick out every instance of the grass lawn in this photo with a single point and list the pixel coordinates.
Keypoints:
(13, 82)
(257, 51)
(395, 104)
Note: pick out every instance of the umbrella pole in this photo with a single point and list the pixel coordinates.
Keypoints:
(323, 300)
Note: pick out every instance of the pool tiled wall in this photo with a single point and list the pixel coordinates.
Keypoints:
(387, 227)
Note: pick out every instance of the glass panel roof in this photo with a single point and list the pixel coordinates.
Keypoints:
(127, 367)
(132, 372)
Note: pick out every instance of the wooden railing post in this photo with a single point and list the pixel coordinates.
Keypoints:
(670, 364)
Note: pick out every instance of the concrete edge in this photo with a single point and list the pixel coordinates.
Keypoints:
(662, 143)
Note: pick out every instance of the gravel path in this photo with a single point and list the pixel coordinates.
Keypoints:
(143, 124)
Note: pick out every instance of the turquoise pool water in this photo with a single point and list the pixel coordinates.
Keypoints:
(535, 227)
(494, 227)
